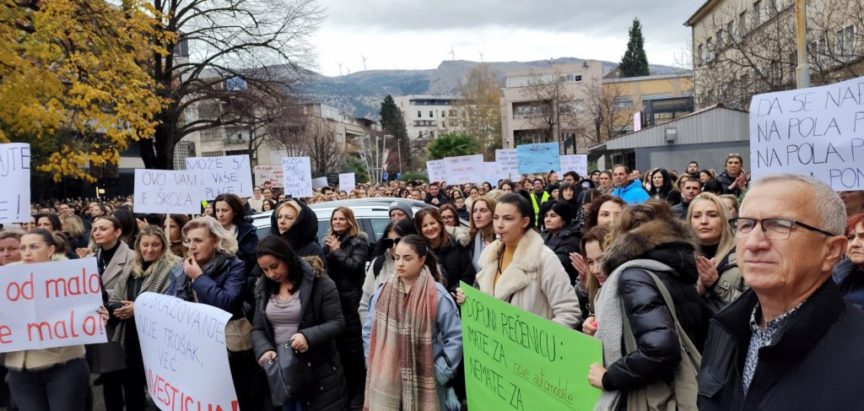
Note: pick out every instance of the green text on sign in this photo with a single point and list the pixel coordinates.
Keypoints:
(515, 360)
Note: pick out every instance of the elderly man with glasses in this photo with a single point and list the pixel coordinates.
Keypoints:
(791, 343)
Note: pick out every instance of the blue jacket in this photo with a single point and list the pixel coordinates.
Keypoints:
(447, 350)
(221, 285)
(632, 193)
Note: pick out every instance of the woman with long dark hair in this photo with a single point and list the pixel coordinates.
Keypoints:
(231, 214)
(454, 258)
(481, 231)
(520, 269)
(298, 306)
(413, 337)
(661, 187)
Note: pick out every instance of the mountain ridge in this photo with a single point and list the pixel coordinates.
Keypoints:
(360, 93)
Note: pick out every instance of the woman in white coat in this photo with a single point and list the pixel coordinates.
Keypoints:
(518, 268)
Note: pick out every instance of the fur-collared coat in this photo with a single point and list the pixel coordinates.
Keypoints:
(535, 280)
(671, 243)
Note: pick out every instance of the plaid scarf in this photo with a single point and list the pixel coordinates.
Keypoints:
(401, 374)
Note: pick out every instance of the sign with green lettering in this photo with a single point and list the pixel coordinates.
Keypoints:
(515, 360)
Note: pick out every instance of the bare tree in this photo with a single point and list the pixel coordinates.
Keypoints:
(558, 111)
(481, 108)
(608, 114)
(212, 43)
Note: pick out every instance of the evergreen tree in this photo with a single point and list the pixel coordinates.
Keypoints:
(394, 124)
(635, 62)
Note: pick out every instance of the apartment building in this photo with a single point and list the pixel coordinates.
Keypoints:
(429, 116)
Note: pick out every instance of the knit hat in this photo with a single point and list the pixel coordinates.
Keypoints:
(402, 206)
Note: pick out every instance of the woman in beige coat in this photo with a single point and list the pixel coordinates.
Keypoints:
(518, 268)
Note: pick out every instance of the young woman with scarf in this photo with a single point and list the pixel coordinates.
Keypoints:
(413, 336)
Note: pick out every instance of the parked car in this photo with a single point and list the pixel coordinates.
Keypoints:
(372, 214)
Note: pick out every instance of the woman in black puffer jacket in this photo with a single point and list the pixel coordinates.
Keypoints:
(647, 239)
(298, 305)
(345, 251)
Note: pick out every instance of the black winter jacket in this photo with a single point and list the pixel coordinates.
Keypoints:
(565, 241)
(658, 347)
(321, 322)
(456, 262)
(347, 264)
(247, 242)
(815, 363)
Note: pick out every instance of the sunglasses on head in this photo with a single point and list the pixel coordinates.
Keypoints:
(390, 242)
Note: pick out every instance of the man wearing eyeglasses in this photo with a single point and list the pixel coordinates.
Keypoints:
(791, 343)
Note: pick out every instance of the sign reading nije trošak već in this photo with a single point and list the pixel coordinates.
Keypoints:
(168, 191)
(297, 175)
(515, 360)
(816, 131)
(15, 180)
(222, 175)
(52, 304)
(538, 158)
(184, 352)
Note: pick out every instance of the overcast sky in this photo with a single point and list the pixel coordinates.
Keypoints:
(419, 34)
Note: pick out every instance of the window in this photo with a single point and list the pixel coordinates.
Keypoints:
(709, 49)
(623, 102)
(431, 114)
(419, 114)
(699, 55)
(443, 114)
(845, 42)
(742, 24)
(757, 13)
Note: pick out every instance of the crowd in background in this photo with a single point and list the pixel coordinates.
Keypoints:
(642, 261)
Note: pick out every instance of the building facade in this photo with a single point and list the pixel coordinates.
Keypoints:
(429, 116)
(746, 47)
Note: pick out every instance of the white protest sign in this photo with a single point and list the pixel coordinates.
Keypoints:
(297, 176)
(222, 175)
(184, 352)
(435, 170)
(347, 182)
(319, 182)
(817, 131)
(273, 174)
(575, 162)
(508, 163)
(464, 169)
(168, 191)
(50, 304)
(15, 180)
(491, 173)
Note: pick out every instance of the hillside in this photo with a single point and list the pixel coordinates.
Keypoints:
(361, 93)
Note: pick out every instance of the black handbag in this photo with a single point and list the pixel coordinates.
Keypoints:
(285, 375)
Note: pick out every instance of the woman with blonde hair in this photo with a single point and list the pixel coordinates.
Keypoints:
(720, 281)
(345, 251)
(149, 271)
(213, 275)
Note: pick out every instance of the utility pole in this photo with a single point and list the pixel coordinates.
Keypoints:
(802, 72)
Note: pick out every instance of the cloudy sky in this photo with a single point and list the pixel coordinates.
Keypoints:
(419, 34)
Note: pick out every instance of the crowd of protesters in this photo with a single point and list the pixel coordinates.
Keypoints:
(764, 280)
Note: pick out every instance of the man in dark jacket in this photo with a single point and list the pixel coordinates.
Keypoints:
(791, 343)
(689, 191)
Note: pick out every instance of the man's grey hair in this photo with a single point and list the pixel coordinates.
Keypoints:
(829, 205)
